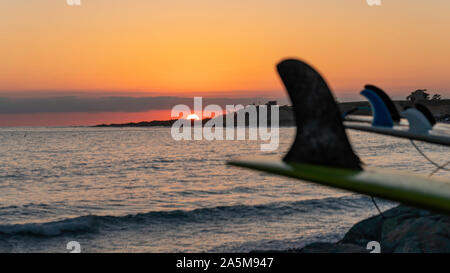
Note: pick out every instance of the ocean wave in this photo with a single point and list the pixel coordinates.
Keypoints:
(50, 229)
(272, 211)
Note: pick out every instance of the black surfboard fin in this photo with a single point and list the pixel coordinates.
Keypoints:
(321, 138)
(426, 112)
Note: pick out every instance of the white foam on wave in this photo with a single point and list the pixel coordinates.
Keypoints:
(79, 224)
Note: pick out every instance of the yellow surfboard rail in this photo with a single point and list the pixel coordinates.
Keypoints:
(415, 190)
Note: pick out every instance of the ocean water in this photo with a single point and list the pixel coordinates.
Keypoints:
(137, 190)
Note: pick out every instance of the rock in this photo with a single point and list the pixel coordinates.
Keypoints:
(400, 230)
(403, 229)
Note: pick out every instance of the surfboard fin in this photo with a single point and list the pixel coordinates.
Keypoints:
(384, 111)
(321, 138)
(426, 112)
(419, 118)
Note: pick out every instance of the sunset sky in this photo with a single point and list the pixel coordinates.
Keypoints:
(219, 49)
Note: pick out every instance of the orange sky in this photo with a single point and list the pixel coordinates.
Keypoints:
(79, 119)
(181, 48)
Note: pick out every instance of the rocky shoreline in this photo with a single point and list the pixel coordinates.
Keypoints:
(440, 110)
(399, 230)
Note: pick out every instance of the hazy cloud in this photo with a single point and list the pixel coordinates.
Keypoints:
(70, 104)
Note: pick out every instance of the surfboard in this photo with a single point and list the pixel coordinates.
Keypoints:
(398, 132)
(369, 119)
(418, 119)
(403, 122)
(415, 190)
(321, 152)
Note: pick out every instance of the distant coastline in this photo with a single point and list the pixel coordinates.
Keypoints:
(154, 123)
(440, 109)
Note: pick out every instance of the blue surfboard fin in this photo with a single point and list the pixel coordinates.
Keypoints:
(353, 110)
(395, 115)
(381, 114)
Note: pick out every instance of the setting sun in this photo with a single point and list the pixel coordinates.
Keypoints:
(193, 117)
